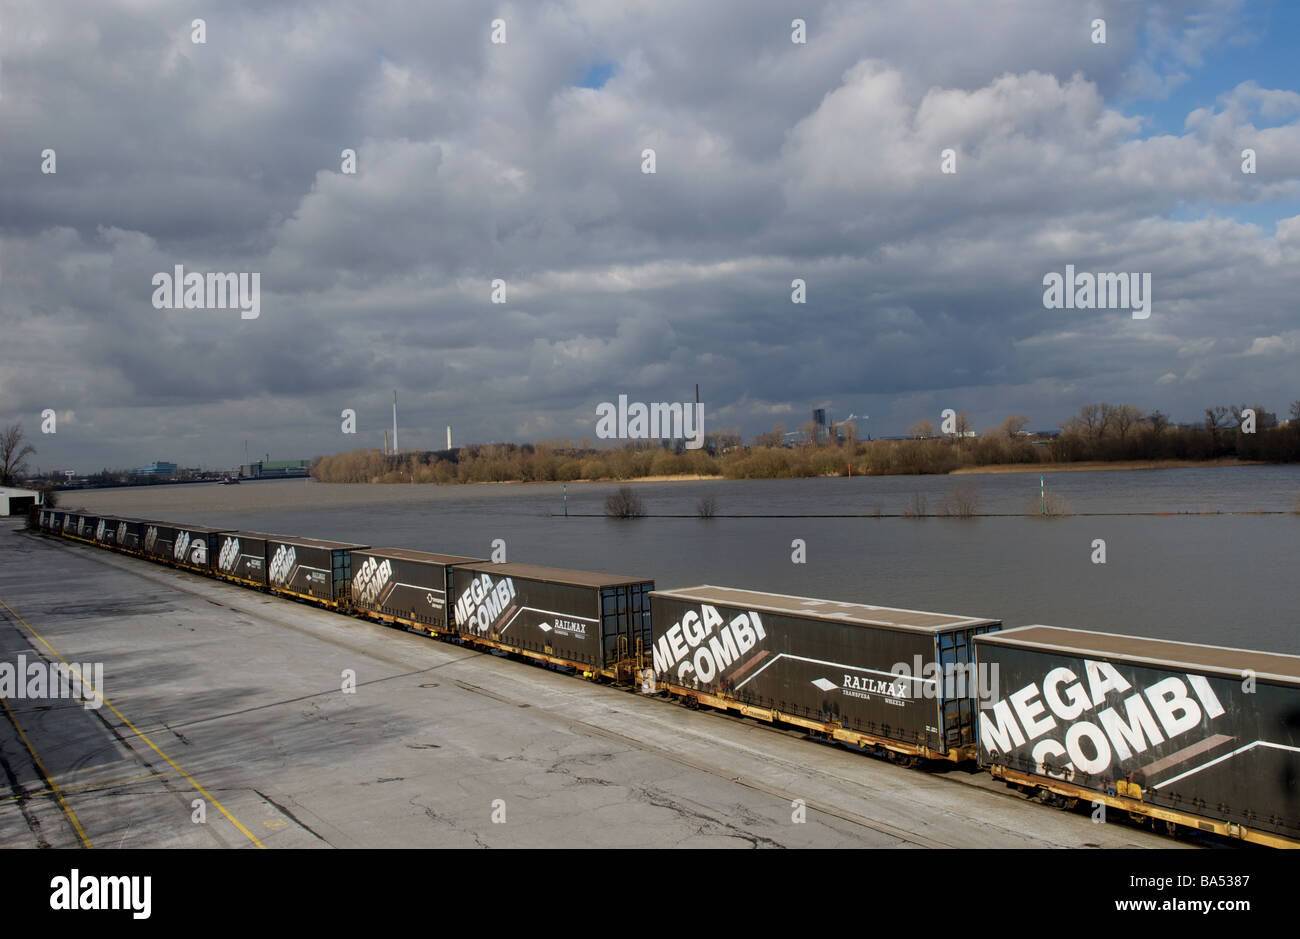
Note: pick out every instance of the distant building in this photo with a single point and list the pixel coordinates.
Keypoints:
(275, 469)
(819, 426)
(18, 501)
(157, 468)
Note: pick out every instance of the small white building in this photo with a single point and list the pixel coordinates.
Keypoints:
(18, 501)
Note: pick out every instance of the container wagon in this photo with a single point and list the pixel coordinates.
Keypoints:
(189, 546)
(85, 529)
(598, 624)
(241, 557)
(899, 682)
(406, 587)
(1202, 736)
(129, 536)
(310, 569)
(106, 531)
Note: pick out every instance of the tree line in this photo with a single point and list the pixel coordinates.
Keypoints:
(1098, 432)
(1101, 431)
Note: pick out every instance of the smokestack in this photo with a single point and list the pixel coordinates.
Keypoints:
(395, 450)
(385, 443)
(448, 436)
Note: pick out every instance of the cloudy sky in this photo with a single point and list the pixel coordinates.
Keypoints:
(523, 161)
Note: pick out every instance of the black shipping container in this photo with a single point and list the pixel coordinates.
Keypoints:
(129, 534)
(583, 618)
(307, 567)
(157, 540)
(191, 546)
(242, 555)
(194, 546)
(896, 675)
(86, 525)
(409, 585)
(1202, 731)
(106, 531)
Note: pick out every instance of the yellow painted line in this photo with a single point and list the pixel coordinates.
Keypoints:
(85, 786)
(122, 717)
(49, 780)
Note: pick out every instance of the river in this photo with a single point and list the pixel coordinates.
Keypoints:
(1226, 579)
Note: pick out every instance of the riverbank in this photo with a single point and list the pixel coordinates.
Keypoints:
(991, 470)
(1103, 465)
(671, 478)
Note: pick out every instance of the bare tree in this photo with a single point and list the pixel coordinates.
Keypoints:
(725, 439)
(1091, 422)
(772, 438)
(1295, 410)
(1158, 421)
(962, 502)
(707, 507)
(1014, 424)
(1217, 419)
(921, 429)
(1123, 418)
(915, 507)
(624, 504)
(13, 454)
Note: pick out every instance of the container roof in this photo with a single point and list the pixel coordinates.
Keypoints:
(832, 611)
(180, 526)
(556, 575)
(1164, 653)
(425, 557)
(294, 539)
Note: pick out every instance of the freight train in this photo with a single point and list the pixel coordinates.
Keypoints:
(1166, 733)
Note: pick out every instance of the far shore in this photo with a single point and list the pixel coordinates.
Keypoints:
(1088, 465)
(680, 478)
(991, 469)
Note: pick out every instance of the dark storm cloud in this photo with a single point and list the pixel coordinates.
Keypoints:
(476, 161)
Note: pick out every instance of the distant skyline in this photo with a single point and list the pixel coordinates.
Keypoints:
(522, 162)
